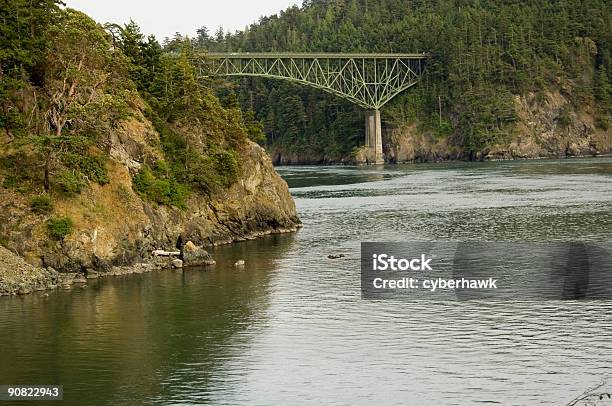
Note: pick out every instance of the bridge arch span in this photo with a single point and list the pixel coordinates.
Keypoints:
(368, 80)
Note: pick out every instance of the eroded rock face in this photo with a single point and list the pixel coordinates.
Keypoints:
(408, 144)
(543, 132)
(113, 226)
(19, 277)
(548, 125)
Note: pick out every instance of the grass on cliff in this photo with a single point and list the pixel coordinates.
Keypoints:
(155, 185)
(59, 227)
(191, 164)
(41, 204)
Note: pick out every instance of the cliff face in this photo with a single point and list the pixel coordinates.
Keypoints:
(113, 225)
(280, 157)
(548, 126)
(112, 148)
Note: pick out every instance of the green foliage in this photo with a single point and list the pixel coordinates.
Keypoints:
(41, 204)
(59, 227)
(67, 83)
(483, 53)
(603, 122)
(17, 176)
(254, 128)
(91, 167)
(157, 186)
(226, 165)
(602, 87)
(565, 118)
(24, 38)
(143, 54)
(73, 96)
(70, 183)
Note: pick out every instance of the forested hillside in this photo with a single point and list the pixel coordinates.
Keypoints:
(486, 55)
(110, 147)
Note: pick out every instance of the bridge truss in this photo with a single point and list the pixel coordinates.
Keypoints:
(368, 80)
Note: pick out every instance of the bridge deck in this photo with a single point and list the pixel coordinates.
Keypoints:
(320, 55)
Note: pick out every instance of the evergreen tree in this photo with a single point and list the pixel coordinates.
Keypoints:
(483, 54)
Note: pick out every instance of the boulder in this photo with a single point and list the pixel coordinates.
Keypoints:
(177, 263)
(239, 264)
(193, 255)
(19, 277)
(91, 274)
(79, 278)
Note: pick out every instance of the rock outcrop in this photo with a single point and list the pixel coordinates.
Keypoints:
(548, 125)
(114, 226)
(19, 277)
(192, 255)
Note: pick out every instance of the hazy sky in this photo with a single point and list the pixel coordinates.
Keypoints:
(165, 17)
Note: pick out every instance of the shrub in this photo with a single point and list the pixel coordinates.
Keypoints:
(202, 174)
(226, 166)
(162, 191)
(602, 122)
(70, 183)
(16, 176)
(91, 167)
(41, 204)
(10, 182)
(565, 118)
(59, 227)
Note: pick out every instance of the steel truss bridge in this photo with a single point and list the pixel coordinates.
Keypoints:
(368, 80)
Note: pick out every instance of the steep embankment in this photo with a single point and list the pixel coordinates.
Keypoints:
(114, 225)
(111, 149)
(548, 126)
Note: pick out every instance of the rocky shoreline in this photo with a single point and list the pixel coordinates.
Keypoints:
(444, 160)
(17, 277)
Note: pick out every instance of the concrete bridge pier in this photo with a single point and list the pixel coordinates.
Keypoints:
(373, 133)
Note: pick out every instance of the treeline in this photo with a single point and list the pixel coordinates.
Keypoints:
(68, 83)
(483, 53)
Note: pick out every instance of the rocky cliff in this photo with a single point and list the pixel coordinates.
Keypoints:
(114, 225)
(548, 125)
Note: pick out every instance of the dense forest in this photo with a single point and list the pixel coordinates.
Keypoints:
(68, 82)
(483, 53)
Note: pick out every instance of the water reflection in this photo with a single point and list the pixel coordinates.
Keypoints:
(129, 338)
(292, 328)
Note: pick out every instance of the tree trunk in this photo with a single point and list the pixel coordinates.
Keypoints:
(47, 170)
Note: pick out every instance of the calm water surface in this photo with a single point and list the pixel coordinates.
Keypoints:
(292, 327)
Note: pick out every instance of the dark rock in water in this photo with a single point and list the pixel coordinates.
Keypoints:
(332, 256)
(193, 255)
(79, 278)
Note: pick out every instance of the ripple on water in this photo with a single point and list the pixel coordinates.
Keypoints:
(292, 328)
